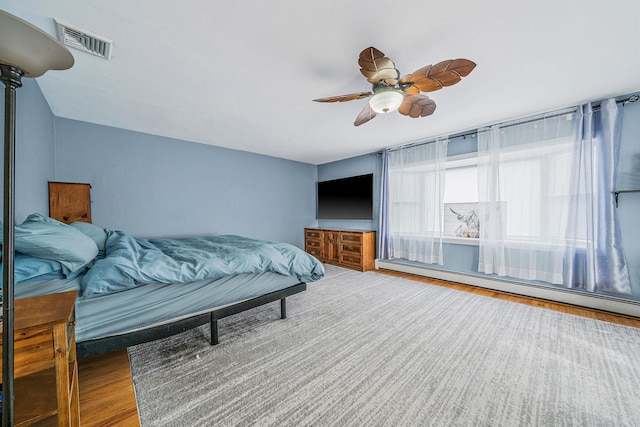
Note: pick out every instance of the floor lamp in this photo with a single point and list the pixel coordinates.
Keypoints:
(25, 51)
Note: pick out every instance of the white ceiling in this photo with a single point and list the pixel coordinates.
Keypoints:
(242, 74)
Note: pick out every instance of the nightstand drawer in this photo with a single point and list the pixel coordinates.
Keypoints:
(33, 351)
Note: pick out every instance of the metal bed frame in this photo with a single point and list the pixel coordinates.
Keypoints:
(106, 344)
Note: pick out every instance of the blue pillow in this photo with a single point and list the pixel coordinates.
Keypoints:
(94, 232)
(30, 269)
(43, 237)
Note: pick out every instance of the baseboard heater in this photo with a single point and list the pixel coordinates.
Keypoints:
(579, 298)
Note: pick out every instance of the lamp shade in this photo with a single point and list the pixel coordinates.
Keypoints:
(30, 49)
(386, 102)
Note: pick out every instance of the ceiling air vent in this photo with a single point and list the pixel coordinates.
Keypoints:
(83, 40)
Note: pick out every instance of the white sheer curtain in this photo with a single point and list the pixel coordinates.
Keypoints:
(524, 193)
(416, 183)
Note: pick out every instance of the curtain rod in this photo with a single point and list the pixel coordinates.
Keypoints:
(569, 110)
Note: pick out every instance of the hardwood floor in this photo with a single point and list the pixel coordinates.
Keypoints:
(107, 397)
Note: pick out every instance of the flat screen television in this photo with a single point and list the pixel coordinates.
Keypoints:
(346, 198)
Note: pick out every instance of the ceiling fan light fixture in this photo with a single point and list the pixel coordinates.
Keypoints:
(390, 92)
(386, 102)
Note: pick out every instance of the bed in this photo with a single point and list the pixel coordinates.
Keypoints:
(134, 290)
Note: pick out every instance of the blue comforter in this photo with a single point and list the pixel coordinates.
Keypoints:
(131, 262)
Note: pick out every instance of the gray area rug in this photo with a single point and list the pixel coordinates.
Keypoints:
(367, 349)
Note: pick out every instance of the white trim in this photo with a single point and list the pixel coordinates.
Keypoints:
(460, 241)
(599, 302)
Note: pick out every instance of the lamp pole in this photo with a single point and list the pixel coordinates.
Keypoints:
(12, 79)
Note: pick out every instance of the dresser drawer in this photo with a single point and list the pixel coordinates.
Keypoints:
(353, 259)
(351, 248)
(313, 234)
(316, 252)
(310, 243)
(351, 237)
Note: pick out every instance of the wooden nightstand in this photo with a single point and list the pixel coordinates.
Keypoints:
(45, 365)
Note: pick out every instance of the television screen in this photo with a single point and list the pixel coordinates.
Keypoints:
(346, 198)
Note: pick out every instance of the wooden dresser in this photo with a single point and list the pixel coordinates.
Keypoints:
(45, 365)
(354, 249)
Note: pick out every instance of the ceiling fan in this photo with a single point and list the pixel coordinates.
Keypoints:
(391, 93)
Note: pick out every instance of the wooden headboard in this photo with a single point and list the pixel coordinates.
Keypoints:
(70, 201)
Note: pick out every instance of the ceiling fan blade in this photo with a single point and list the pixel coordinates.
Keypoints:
(462, 66)
(344, 98)
(435, 77)
(365, 115)
(376, 67)
(417, 106)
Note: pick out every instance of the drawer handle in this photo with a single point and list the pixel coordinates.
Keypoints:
(350, 259)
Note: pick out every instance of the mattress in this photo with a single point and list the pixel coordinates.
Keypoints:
(157, 303)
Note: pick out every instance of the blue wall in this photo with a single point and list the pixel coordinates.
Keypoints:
(34, 150)
(154, 186)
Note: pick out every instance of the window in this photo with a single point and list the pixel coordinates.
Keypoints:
(416, 179)
(409, 189)
(461, 215)
(532, 191)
